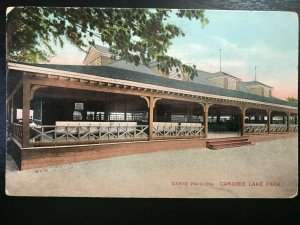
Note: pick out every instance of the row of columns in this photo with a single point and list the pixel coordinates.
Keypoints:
(243, 110)
(151, 101)
(151, 104)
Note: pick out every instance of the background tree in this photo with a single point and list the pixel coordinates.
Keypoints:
(291, 99)
(134, 35)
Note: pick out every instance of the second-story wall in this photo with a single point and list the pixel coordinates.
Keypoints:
(261, 90)
(225, 82)
(100, 61)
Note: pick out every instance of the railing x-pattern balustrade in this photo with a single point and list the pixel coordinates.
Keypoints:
(16, 131)
(64, 132)
(255, 128)
(274, 128)
(86, 133)
(162, 129)
(293, 127)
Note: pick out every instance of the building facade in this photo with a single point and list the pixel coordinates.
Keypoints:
(87, 106)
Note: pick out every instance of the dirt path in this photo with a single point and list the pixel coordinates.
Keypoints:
(267, 169)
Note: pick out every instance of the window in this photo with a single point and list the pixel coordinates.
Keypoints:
(20, 114)
(90, 115)
(129, 117)
(100, 116)
(78, 106)
(77, 115)
(93, 115)
(212, 119)
(197, 119)
(115, 116)
(224, 118)
(137, 116)
(179, 118)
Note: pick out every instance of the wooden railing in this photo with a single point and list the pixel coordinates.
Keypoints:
(277, 128)
(16, 131)
(99, 132)
(255, 128)
(274, 128)
(293, 127)
(75, 133)
(161, 129)
(86, 133)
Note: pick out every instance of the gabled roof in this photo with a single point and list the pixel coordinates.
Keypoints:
(122, 64)
(223, 74)
(202, 78)
(102, 49)
(146, 78)
(99, 48)
(206, 77)
(254, 83)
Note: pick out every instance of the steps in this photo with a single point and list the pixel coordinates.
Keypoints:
(220, 143)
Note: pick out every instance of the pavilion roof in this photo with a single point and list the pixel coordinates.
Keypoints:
(122, 64)
(114, 72)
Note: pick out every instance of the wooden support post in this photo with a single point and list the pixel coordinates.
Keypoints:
(205, 118)
(10, 103)
(151, 101)
(26, 112)
(8, 110)
(288, 122)
(150, 118)
(269, 120)
(11, 110)
(243, 116)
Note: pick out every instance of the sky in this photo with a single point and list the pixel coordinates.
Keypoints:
(267, 40)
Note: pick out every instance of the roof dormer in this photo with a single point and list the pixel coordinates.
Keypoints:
(257, 88)
(98, 56)
(224, 80)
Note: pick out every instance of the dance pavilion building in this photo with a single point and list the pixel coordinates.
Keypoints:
(67, 113)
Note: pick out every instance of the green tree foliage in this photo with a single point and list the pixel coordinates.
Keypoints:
(135, 35)
(291, 99)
